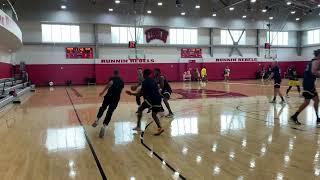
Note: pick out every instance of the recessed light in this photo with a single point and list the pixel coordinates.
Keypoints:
(318, 5)
(197, 6)
(253, 1)
(149, 11)
(264, 10)
(271, 18)
(289, 3)
(3, 4)
(110, 9)
(117, 1)
(244, 16)
(297, 19)
(293, 12)
(214, 14)
(63, 7)
(231, 8)
(183, 13)
(159, 3)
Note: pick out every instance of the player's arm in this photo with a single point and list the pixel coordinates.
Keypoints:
(316, 68)
(161, 82)
(137, 93)
(106, 88)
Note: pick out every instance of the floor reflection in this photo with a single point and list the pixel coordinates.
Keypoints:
(63, 139)
(122, 132)
(231, 121)
(184, 126)
(280, 113)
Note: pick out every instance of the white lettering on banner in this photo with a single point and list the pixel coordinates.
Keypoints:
(237, 60)
(126, 61)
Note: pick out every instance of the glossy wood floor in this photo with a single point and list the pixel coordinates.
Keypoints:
(219, 131)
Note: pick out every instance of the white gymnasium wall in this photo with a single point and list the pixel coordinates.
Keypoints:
(55, 54)
(6, 57)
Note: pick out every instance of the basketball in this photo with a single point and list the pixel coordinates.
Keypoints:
(134, 88)
(51, 84)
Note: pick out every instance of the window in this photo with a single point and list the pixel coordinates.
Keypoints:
(183, 36)
(226, 39)
(60, 33)
(314, 36)
(126, 34)
(278, 38)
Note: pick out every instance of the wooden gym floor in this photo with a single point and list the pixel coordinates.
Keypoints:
(220, 131)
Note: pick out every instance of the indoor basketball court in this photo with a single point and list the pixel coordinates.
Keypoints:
(159, 89)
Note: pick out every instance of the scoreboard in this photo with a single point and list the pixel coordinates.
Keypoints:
(79, 53)
(191, 53)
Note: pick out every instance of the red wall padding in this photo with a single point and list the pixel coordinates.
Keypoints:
(5, 70)
(60, 73)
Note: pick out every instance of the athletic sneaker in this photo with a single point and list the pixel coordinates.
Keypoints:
(170, 115)
(295, 120)
(318, 123)
(137, 129)
(160, 131)
(287, 96)
(102, 131)
(95, 124)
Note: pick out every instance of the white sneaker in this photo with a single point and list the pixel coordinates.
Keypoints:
(102, 131)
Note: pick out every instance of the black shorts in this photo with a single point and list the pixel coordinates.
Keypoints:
(154, 107)
(309, 94)
(277, 84)
(166, 94)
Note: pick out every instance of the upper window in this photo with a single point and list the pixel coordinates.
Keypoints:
(60, 33)
(314, 36)
(126, 34)
(226, 39)
(278, 38)
(183, 36)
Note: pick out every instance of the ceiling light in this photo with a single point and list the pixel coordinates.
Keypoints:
(110, 9)
(214, 14)
(183, 13)
(293, 12)
(297, 19)
(264, 10)
(318, 5)
(197, 6)
(289, 3)
(253, 1)
(117, 1)
(244, 16)
(159, 3)
(271, 18)
(63, 7)
(149, 11)
(231, 8)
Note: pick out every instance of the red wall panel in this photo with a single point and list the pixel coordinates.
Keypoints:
(5, 70)
(60, 73)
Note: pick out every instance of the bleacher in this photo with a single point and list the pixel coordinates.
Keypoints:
(10, 86)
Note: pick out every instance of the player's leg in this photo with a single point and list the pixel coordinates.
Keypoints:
(142, 107)
(113, 105)
(288, 90)
(316, 107)
(306, 102)
(155, 110)
(104, 106)
(166, 97)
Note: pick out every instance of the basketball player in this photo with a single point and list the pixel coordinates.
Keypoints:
(140, 79)
(277, 82)
(227, 73)
(309, 87)
(204, 74)
(152, 98)
(293, 80)
(165, 89)
(111, 99)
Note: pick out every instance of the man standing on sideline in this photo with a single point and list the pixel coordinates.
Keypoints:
(111, 100)
(309, 87)
(165, 89)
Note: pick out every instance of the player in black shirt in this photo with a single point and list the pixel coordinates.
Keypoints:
(165, 89)
(152, 99)
(309, 87)
(276, 75)
(111, 100)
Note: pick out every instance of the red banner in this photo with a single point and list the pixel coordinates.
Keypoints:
(191, 53)
(156, 33)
